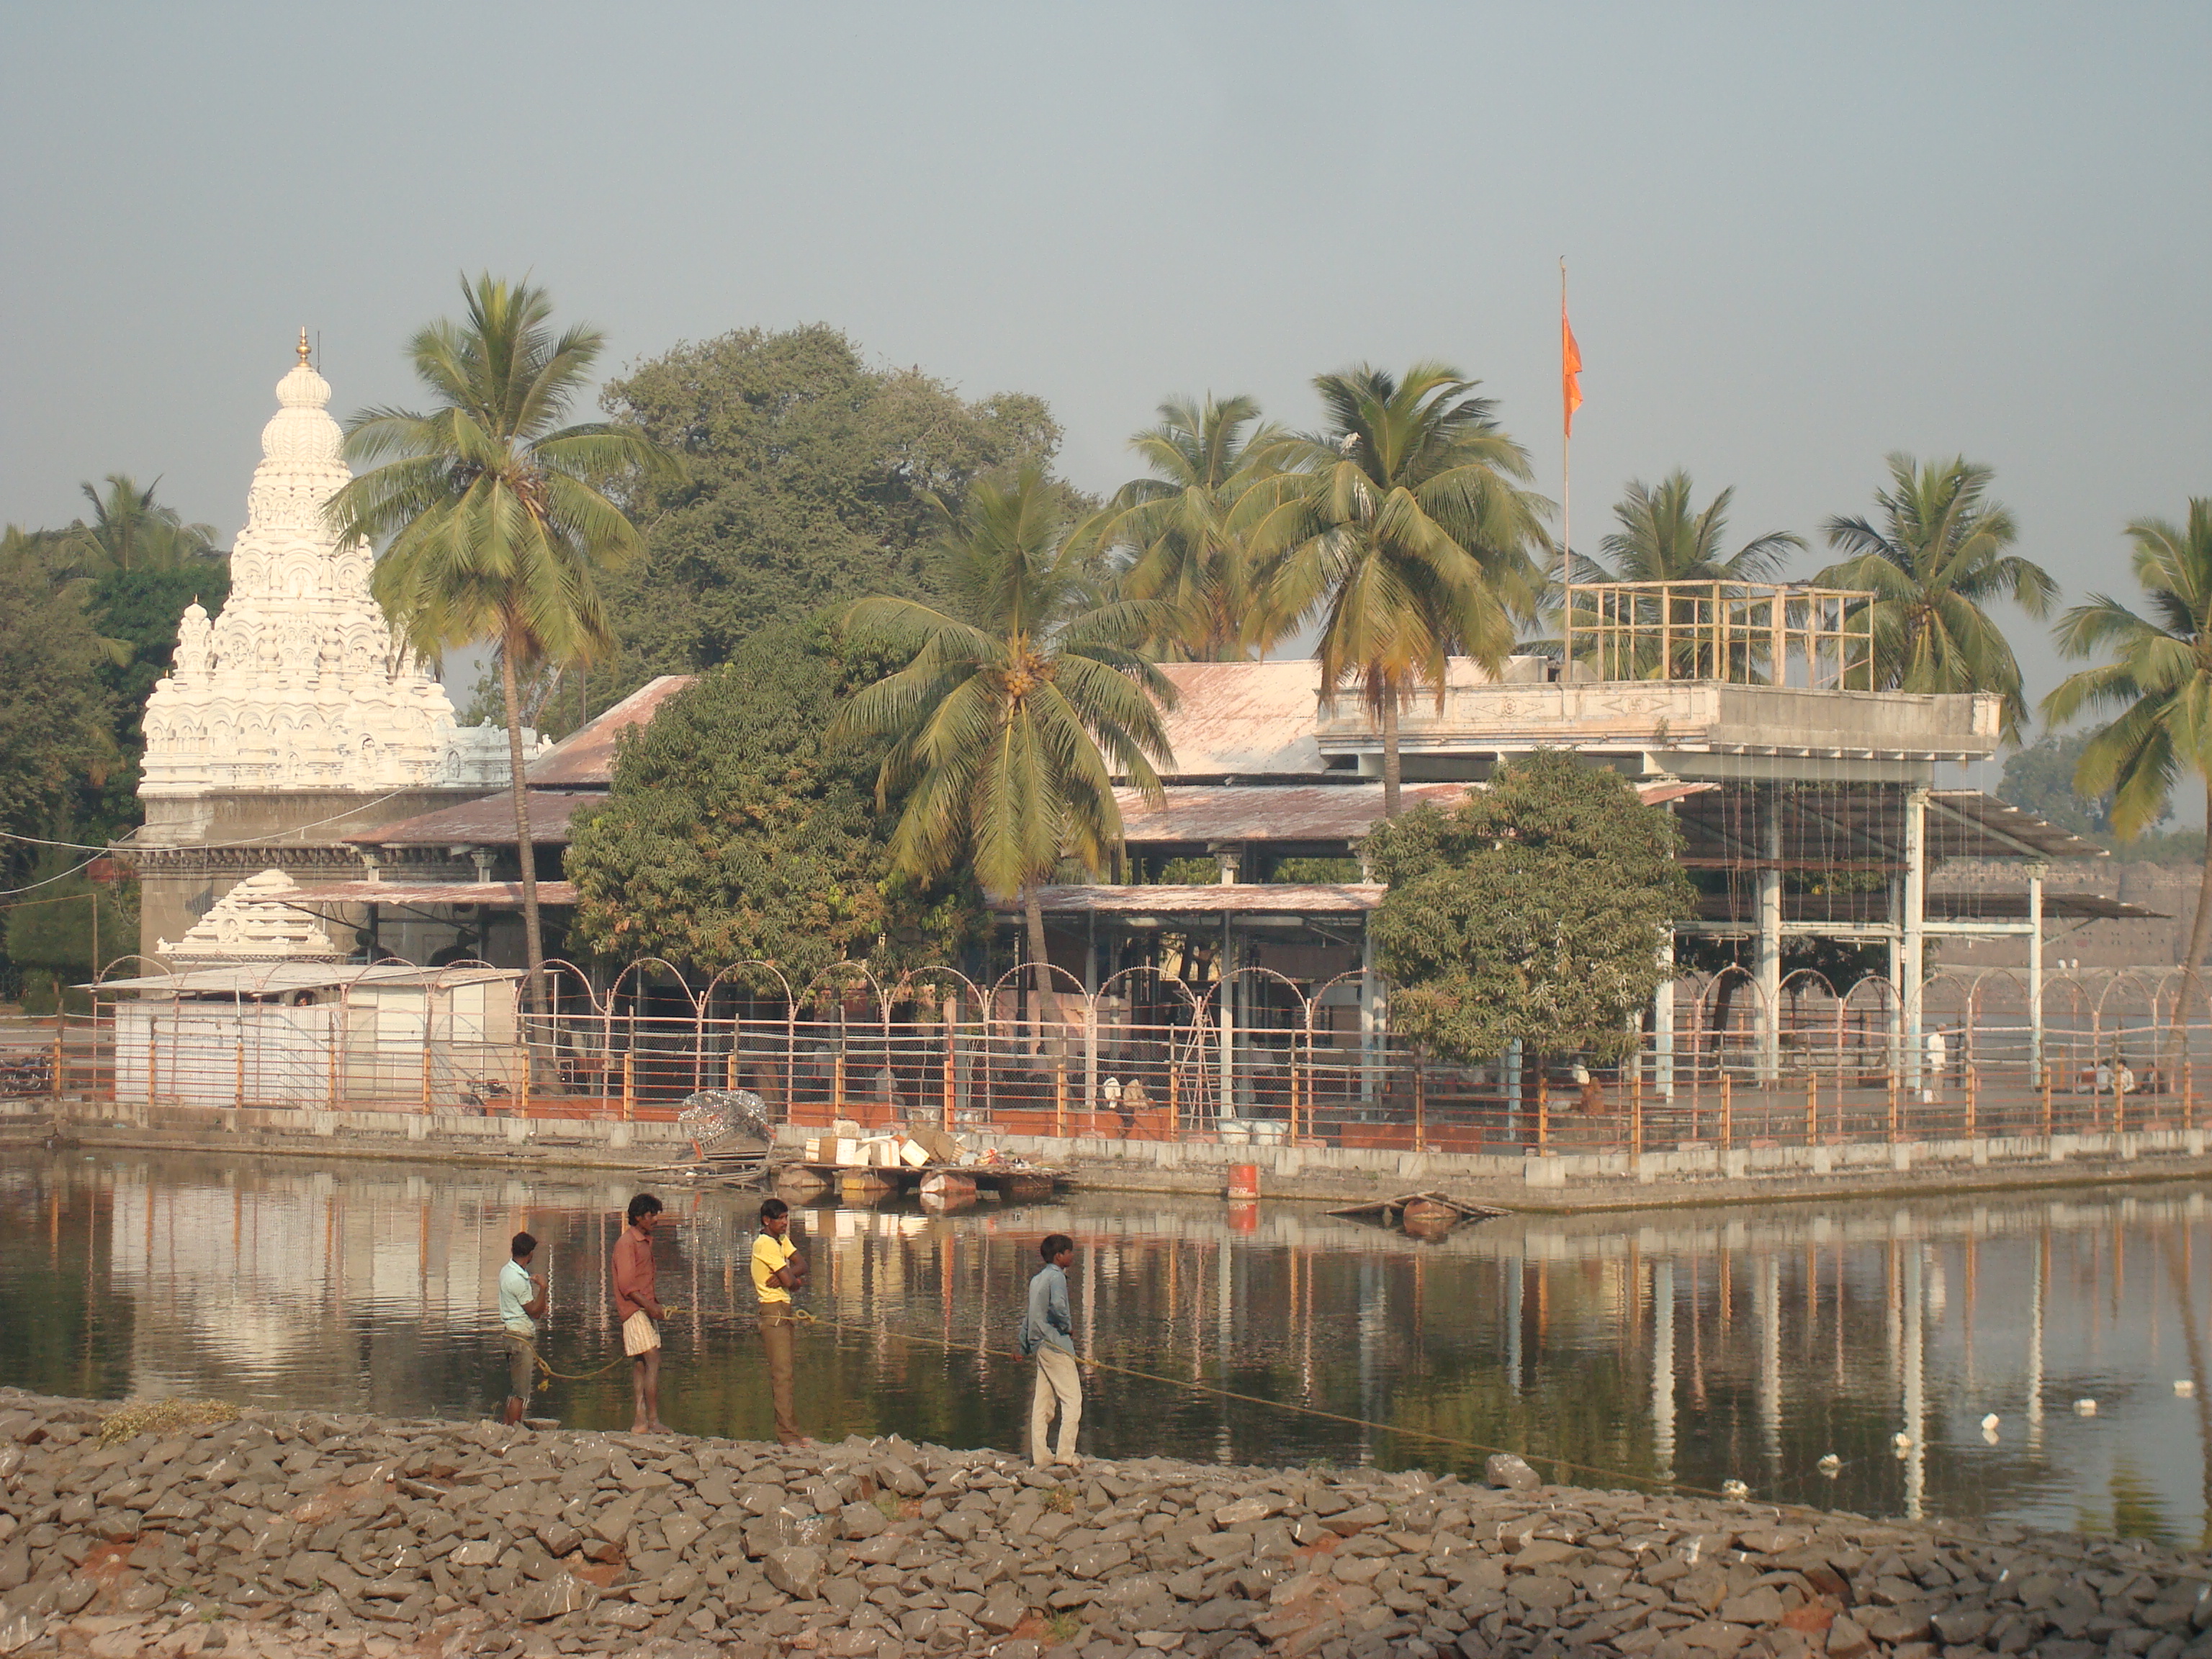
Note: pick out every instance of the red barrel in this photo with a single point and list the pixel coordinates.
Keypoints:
(1243, 1180)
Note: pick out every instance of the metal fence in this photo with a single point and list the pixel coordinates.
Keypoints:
(1259, 1059)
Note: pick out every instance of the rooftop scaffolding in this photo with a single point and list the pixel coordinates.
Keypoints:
(1742, 632)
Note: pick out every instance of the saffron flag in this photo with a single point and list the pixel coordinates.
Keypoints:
(1570, 370)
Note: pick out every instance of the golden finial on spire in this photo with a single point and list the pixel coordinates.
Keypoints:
(303, 348)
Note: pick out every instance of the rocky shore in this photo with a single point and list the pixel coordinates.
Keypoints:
(312, 1534)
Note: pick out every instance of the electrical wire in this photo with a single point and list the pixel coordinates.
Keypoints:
(39, 841)
(10, 892)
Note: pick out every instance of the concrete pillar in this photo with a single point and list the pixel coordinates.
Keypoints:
(1090, 1016)
(1896, 943)
(1663, 1367)
(1374, 1011)
(1662, 1025)
(2035, 1344)
(2035, 973)
(1516, 1275)
(1916, 924)
(1226, 1019)
(1770, 1362)
(1916, 1387)
(1768, 962)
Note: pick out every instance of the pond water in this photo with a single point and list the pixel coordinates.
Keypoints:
(1705, 1346)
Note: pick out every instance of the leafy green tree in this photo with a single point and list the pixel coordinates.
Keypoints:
(131, 531)
(1934, 558)
(735, 831)
(494, 525)
(1533, 912)
(808, 481)
(56, 717)
(1402, 530)
(1177, 533)
(2156, 686)
(67, 925)
(2039, 779)
(1663, 538)
(1018, 705)
(136, 611)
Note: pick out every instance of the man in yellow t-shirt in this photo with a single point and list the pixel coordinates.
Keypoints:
(778, 1270)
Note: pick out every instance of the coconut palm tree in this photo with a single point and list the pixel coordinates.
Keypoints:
(1175, 533)
(2156, 684)
(130, 531)
(1935, 558)
(1018, 706)
(1403, 529)
(494, 524)
(1663, 538)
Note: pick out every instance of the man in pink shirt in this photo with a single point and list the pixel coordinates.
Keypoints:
(639, 1311)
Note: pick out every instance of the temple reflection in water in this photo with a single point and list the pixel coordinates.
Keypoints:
(1612, 1350)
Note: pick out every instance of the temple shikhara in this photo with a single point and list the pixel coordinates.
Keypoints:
(294, 717)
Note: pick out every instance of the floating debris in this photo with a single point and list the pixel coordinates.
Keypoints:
(1902, 1441)
(1831, 1465)
(1735, 1489)
(2183, 1388)
(163, 1417)
(2085, 1408)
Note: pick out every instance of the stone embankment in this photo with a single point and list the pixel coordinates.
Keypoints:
(315, 1534)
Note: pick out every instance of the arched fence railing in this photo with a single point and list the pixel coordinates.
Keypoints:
(1261, 1058)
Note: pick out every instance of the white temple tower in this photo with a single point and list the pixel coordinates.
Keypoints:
(295, 716)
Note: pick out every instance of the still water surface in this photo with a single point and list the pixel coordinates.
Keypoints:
(1714, 1344)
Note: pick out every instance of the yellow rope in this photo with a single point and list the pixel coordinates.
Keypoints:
(546, 1382)
(1307, 1411)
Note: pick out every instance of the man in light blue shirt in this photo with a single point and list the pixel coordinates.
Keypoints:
(521, 1304)
(1048, 1336)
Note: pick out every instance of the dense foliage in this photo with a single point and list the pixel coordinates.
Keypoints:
(2156, 686)
(1017, 707)
(1403, 533)
(56, 714)
(735, 831)
(2039, 779)
(487, 510)
(808, 478)
(1533, 912)
(1934, 558)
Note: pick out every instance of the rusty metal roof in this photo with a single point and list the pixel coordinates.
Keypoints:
(488, 822)
(279, 978)
(1831, 825)
(434, 892)
(1240, 898)
(1243, 718)
(587, 755)
(1298, 813)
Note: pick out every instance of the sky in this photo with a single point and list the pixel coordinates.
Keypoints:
(1798, 237)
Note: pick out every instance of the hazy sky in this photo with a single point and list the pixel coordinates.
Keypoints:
(1799, 237)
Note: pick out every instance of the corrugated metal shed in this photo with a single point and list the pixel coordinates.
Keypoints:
(281, 978)
(486, 823)
(587, 755)
(1296, 813)
(434, 892)
(1243, 718)
(1243, 898)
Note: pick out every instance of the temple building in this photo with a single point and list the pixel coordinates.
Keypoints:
(294, 717)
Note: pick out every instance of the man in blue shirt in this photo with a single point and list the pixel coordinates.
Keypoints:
(521, 1304)
(1048, 1336)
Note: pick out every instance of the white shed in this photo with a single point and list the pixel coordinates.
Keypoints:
(342, 1035)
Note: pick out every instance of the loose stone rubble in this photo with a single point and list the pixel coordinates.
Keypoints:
(303, 1533)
